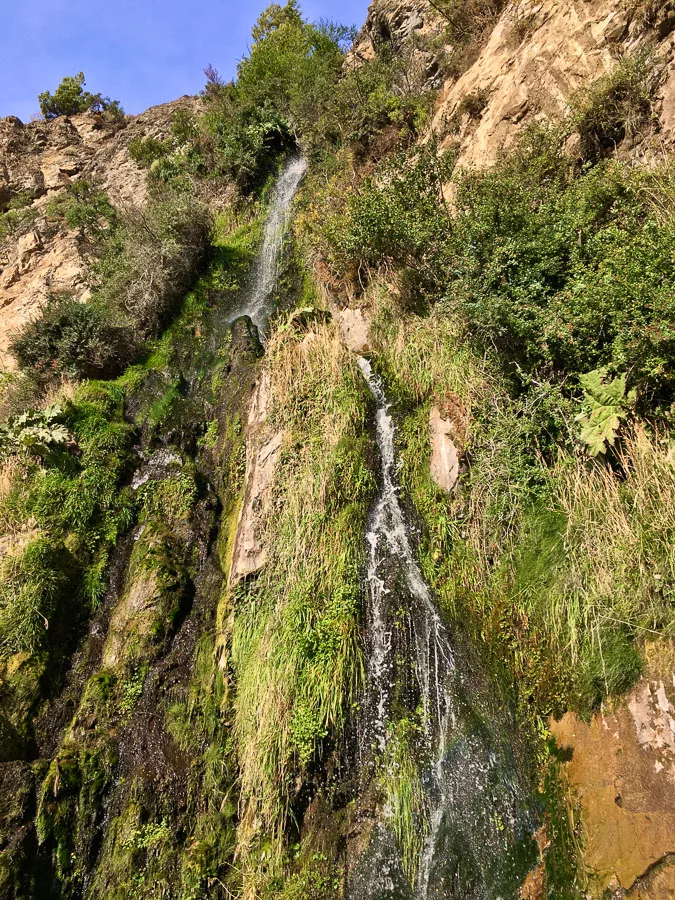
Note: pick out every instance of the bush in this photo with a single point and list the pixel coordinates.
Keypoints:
(70, 98)
(152, 260)
(614, 107)
(85, 207)
(74, 339)
(560, 271)
(145, 151)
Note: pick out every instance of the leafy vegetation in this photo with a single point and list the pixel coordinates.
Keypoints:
(566, 277)
(533, 548)
(63, 511)
(614, 107)
(70, 98)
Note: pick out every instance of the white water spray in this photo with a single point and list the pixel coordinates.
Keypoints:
(258, 299)
(468, 786)
(387, 538)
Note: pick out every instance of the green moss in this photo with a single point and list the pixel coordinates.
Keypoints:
(562, 858)
(69, 807)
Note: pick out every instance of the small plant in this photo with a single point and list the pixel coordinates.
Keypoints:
(606, 405)
(37, 431)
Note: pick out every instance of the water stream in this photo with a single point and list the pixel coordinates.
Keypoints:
(257, 302)
(476, 823)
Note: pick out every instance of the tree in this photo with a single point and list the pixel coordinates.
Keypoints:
(70, 98)
(274, 17)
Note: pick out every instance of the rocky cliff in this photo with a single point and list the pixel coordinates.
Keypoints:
(523, 62)
(38, 254)
(374, 601)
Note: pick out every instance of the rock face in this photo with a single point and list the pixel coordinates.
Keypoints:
(354, 329)
(527, 66)
(410, 25)
(37, 161)
(536, 57)
(262, 454)
(444, 453)
(622, 771)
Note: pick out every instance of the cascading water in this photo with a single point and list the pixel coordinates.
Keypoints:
(476, 828)
(388, 537)
(257, 302)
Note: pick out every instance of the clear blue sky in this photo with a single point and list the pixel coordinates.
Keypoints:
(140, 52)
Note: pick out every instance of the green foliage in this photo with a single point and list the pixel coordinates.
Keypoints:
(606, 405)
(398, 219)
(145, 151)
(152, 259)
(18, 214)
(614, 107)
(68, 497)
(611, 665)
(70, 98)
(80, 340)
(566, 276)
(404, 795)
(33, 591)
(85, 207)
(283, 88)
(296, 646)
(37, 431)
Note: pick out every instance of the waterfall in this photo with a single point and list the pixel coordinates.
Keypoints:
(475, 823)
(257, 302)
(387, 537)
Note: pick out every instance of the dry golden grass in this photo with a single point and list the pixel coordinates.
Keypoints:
(620, 542)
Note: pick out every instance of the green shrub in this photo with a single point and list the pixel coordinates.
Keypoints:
(559, 271)
(152, 259)
(74, 339)
(85, 207)
(70, 98)
(145, 151)
(614, 107)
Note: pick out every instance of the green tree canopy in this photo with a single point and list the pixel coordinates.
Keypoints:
(70, 98)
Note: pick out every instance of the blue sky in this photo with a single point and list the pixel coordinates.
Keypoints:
(140, 52)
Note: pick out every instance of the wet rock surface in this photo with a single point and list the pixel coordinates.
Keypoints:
(622, 771)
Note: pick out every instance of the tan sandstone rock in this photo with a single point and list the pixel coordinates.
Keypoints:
(623, 772)
(354, 329)
(262, 455)
(444, 454)
(38, 160)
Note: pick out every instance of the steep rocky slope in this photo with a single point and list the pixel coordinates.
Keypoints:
(37, 160)
(303, 613)
(525, 65)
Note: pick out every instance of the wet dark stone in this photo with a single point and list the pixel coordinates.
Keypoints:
(246, 338)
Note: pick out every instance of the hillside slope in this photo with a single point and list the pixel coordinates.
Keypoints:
(337, 496)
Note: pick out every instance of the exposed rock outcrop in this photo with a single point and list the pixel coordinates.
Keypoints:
(263, 448)
(622, 770)
(37, 161)
(354, 329)
(444, 465)
(525, 68)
